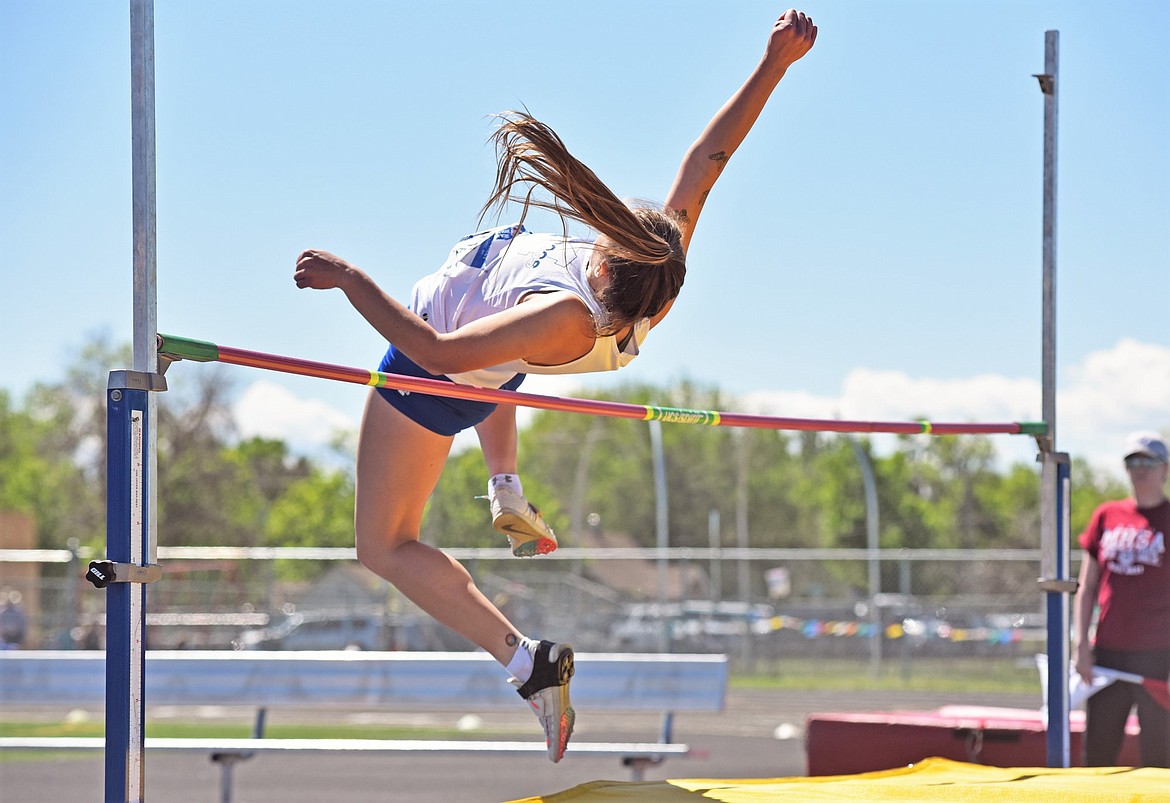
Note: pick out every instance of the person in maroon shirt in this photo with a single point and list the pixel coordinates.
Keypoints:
(1125, 572)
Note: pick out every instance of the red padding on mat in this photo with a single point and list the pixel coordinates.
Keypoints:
(850, 743)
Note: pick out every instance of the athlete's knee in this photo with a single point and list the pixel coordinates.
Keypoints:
(377, 551)
(365, 553)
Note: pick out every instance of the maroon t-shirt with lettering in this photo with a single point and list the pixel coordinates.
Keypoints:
(1129, 544)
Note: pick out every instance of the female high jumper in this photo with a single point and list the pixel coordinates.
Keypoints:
(507, 303)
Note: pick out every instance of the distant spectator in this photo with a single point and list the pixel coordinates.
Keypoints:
(1126, 573)
(13, 622)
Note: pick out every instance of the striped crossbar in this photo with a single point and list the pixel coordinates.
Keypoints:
(173, 347)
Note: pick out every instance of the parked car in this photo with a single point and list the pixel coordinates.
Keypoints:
(690, 625)
(320, 630)
(706, 626)
(644, 626)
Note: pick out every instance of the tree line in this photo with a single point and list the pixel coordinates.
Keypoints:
(795, 489)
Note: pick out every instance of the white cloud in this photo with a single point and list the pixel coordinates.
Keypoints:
(1099, 401)
(1110, 394)
(894, 396)
(269, 410)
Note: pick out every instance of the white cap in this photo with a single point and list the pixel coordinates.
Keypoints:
(1149, 444)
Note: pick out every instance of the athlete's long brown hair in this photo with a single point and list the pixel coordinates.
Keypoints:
(643, 245)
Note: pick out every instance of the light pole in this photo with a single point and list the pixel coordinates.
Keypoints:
(871, 543)
(662, 524)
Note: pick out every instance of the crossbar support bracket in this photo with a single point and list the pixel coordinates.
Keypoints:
(103, 572)
(136, 380)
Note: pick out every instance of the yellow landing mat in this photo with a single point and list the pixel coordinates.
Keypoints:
(929, 780)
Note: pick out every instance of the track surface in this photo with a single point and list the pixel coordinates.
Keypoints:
(741, 743)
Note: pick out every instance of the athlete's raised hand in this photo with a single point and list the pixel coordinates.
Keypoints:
(792, 36)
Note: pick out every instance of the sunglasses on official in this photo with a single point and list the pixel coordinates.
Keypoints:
(1138, 461)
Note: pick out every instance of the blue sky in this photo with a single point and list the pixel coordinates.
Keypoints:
(872, 251)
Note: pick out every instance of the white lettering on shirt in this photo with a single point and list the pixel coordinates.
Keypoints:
(1129, 550)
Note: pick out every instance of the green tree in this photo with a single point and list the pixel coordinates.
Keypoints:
(776, 513)
(265, 470)
(455, 517)
(204, 495)
(25, 477)
(605, 466)
(64, 423)
(611, 455)
(802, 489)
(313, 511)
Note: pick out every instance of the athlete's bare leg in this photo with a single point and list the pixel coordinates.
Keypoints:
(398, 465)
(497, 439)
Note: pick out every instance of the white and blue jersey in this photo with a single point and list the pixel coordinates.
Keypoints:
(492, 271)
(489, 272)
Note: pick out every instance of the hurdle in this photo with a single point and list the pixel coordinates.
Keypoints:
(131, 519)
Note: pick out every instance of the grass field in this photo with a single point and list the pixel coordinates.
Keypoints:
(958, 675)
(953, 676)
(229, 730)
(219, 730)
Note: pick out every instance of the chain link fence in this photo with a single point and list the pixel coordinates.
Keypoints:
(763, 607)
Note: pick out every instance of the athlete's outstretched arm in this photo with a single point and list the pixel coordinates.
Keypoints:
(792, 36)
(547, 328)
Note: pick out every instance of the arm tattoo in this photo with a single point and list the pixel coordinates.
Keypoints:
(721, 158)
(683, 216)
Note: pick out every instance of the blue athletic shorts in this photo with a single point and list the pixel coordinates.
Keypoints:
(439, 414)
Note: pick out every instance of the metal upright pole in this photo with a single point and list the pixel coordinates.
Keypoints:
(1048, 85)
(145, 237)
(127, 435)
(1054, 473)
(131, 522)
(143, 183)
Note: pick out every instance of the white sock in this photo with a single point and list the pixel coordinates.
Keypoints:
(520, 667)
(511, 481)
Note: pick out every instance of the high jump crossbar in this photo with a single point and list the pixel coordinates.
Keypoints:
(172, 348)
